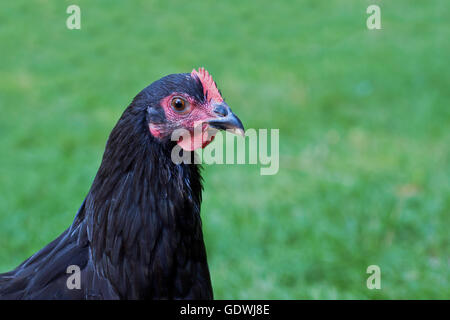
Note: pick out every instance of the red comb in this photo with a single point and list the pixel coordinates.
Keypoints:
(210, 90)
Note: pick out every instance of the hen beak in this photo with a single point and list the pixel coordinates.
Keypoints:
(226, 120)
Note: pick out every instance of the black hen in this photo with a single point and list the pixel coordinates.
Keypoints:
(138, 233)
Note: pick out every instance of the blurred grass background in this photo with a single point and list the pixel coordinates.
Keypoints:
(364, 134)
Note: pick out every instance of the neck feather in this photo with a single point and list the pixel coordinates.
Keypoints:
(142, 209)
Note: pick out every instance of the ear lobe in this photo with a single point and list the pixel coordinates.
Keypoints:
(155, 117)
(154, 131)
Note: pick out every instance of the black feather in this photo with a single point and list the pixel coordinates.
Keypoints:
(138, 232)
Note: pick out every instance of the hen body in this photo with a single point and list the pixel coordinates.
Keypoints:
(138, 233)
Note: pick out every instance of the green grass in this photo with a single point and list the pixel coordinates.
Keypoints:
(364, 120)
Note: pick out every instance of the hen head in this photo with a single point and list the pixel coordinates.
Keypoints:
(191, 102)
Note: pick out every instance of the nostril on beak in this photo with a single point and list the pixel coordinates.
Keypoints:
(221, 110)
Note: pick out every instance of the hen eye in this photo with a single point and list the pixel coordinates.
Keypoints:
(179, 105)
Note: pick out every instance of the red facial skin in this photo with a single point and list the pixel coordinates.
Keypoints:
(196, 114)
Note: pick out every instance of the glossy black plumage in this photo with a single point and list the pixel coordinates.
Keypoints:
(138, 233)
